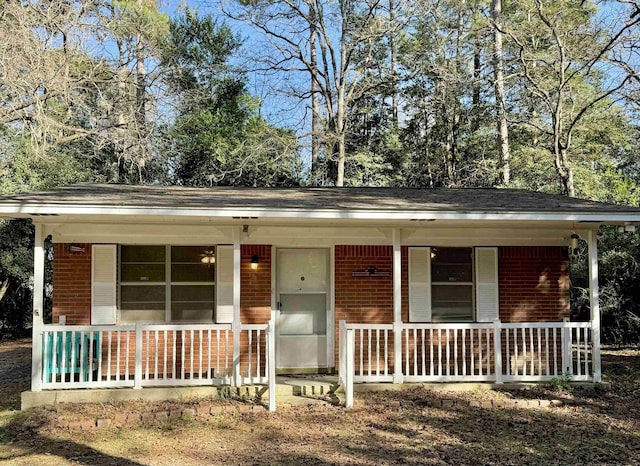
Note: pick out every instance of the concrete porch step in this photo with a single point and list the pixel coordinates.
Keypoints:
(307, 390)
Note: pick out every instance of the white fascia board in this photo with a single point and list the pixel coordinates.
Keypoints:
(17, 210)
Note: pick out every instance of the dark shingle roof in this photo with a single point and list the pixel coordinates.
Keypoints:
(405, 199)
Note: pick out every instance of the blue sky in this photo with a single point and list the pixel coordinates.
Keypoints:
(276, 108)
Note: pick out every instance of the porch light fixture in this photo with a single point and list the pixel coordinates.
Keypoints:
(573, 241)
(626, 228)
(208, 257)
(254, 261)
(75, 248)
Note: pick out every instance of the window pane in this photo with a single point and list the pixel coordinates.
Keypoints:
(134, 297)
(192, 273)
(191, 254)
(303, 314)
(141, 315)
(192, 293)
(452, 303)
(192, 312)
(142, 272)
(142, 253)
(193, 303)
(187, 265)
(451, 265)
(142, 294)
(142, 303)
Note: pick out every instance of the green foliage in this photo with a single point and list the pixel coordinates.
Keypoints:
(219, 138)
(619, 275)
(16, 262)
(562, 383)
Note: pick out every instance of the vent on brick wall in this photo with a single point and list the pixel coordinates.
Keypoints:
(370, 272)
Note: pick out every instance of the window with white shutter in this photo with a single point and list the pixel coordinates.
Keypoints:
(487, 292)
(451, 284)
(224, 308)
(419, 285)
(103, 284)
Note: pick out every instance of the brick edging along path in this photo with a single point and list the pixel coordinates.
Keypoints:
(152, 417)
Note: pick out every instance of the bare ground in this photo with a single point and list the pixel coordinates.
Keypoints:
(600, 426)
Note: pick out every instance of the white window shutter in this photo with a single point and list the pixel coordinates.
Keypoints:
(103, 284)
(224, 285)
(487, 292)
(420, 284)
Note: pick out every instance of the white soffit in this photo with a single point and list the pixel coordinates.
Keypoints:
(48, 213)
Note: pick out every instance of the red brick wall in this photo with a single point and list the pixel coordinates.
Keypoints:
(534, 283)
(362, 299)
(72, 284)
(255, 289)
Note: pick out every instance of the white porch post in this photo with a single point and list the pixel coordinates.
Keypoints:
(38, 309)
(271, 360)
(594, 302)
(236, 307)
(137, 375)
(397, 307)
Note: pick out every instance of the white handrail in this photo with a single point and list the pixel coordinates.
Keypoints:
(479, 351)
(142, 355)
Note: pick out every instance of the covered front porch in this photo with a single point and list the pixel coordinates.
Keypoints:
(381, 289)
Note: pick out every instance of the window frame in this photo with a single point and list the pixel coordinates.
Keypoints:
(168, 283)
(472, 284)
(474, 314)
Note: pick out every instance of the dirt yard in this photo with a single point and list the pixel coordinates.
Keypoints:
(597, 426)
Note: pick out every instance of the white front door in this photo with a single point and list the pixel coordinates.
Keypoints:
(302, 284)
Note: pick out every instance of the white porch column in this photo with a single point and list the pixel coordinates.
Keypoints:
(38, 309)
(397, 307)
(236, 307)
(594, 302)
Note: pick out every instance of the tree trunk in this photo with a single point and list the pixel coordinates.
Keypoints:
(394, 59)
(498, 70)
(341, 85)
(341, 157)
(565, 172)
(315, 101)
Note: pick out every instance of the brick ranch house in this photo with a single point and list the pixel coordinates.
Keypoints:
(172, 286)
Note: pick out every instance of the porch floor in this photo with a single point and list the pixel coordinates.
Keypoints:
(290, 389)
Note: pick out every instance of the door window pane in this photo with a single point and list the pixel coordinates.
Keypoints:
(303, 314)
(302, 270)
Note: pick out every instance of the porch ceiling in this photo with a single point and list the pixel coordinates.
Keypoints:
(309, 206)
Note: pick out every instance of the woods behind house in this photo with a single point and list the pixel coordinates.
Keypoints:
(541, 95)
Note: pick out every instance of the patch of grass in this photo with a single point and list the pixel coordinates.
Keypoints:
(562, 383)
(601, 426)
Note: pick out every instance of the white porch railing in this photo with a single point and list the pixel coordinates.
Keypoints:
(492, 352)
(140, 355)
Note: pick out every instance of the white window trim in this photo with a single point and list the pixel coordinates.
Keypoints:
(472, 283)
(167, 283)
